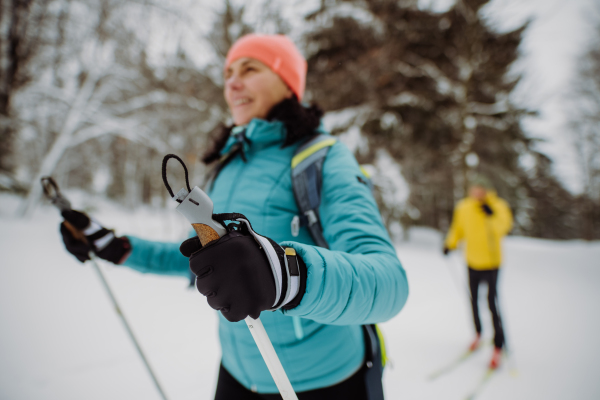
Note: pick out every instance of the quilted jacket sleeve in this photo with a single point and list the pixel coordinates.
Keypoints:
(359, 280)
(161, 258)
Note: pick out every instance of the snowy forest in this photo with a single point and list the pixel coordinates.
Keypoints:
(427, 94)
(95, 93)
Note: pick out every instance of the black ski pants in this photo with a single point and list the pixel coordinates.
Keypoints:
(491, 277)
(228, 388)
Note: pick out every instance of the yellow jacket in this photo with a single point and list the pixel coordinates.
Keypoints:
(482, 234)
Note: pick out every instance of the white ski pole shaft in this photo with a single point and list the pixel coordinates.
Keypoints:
(126, 324)
(197, 208)
(270, 356)
(259, 334)
(52, 191)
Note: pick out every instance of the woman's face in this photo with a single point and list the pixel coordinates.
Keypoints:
(252, 89)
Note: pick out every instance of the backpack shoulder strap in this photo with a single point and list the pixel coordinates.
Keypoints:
(307, 172)
(375, 360)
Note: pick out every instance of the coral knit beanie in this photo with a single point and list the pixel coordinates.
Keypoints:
(278, 53)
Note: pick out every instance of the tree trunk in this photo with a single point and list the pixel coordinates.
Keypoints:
(60, 145)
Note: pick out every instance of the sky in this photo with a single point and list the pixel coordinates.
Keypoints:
(557, 36)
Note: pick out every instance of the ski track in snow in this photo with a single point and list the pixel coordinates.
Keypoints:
(60, 337)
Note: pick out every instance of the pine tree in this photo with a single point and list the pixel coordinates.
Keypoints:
(21, 37)
(585, 123)
(433, 91)
(553, 211)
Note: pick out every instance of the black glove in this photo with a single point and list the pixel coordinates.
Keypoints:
(244, 273)
(487, 210)
(446, 251)
(84, 235)
(78, 248)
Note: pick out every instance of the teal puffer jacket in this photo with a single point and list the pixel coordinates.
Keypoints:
(359, 280)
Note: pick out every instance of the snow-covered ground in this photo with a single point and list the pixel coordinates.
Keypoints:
(60, 337)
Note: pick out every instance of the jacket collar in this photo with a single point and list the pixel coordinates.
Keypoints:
(257, 133)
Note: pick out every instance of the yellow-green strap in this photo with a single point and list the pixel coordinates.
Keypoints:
(304, 154)
(381, 346)
(364, 171)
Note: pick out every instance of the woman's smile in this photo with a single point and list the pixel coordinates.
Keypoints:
(252, 89)
(241, 101)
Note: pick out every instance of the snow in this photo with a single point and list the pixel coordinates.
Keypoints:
(61, 339)
(548, 298)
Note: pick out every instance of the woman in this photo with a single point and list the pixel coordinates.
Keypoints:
(357, 280)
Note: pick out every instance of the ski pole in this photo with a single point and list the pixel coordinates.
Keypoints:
(61, 202)
(197, 208)
(125, 323)
(455, 279)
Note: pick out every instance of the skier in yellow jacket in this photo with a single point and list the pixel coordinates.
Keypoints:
(481, 220)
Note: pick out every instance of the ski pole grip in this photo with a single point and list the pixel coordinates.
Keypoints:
(77, 234)
(205, 233)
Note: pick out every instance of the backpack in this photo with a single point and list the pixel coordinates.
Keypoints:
(307, 173)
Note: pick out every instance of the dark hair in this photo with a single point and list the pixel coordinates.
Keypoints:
(300, 122)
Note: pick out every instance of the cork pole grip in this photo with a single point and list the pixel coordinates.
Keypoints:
(205, 233)
(77, 234)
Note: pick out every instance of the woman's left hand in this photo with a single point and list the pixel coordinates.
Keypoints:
(244, 273)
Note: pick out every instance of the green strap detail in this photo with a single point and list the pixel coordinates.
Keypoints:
(304, 154)
(364, 171)
(381, 346)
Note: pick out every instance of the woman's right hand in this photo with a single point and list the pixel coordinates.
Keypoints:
(244, 273)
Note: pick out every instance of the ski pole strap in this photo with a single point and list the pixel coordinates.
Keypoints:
(164, 173)
(52, 192)
(49, 184)
(228, 217)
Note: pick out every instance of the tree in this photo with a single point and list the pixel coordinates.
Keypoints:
(100, 97)
(22, 23)
(585, 123)
(70, 101)
(431, 89)
(101, 116)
